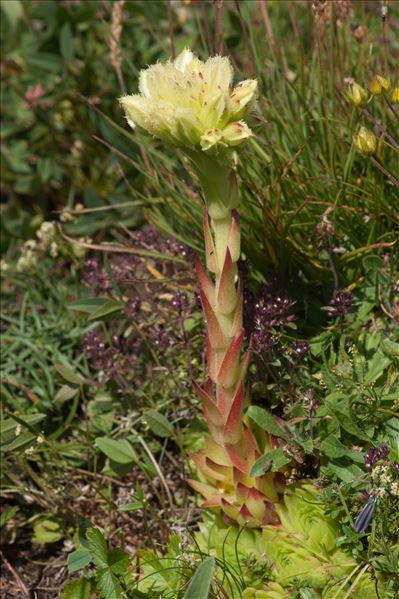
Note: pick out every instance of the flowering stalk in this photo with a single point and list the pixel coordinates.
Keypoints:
(192, 105)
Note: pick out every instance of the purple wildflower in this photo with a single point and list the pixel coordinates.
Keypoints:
(180, 302)
(132, 307)
(266, 314)
(340, 305)
(301, 347)
(160, 337)
(94, 277)
(373, 455)
(94, 344)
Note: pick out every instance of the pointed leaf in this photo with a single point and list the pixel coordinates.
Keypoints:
(210, 253)
(97, 547)
(229, 371)
(78, 560)
(266, 421)
(200, 584)
(204, 281)
(213, 327)
(119, 451)
(209, 405)
(232, 430)
(226, 298)
(109, 585)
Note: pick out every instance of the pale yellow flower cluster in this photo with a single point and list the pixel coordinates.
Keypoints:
(192, 104)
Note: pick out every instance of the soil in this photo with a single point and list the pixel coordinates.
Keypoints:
(36, 571)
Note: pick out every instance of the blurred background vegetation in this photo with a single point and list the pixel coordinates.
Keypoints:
(100, 321)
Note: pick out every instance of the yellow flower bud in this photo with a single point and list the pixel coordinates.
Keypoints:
(378, 85)
(395, 95)
(192, 104)
(365, 141)
(357, 95)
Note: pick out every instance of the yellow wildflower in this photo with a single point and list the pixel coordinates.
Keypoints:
(192, 104)
(365, 141)
(378, 85)
(357, 95)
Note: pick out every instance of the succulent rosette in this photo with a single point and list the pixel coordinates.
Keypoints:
(301, 552)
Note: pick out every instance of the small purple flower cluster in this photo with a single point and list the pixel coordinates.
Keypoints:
(132, 307)
(266, 314)
(180, 302)
(97, 351)
(95, 277)
(340, 304)
(301, 348)
(374, 455)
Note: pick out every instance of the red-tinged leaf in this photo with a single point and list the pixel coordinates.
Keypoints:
(245, 518)
(235, 236)
(240, 462)
(211, 359)
(229, 509)
(267, 486)
(229, 370)
(211, 260)
(205, 490)
(200, 461)
(215, 332)
(226, 295)
(237, 318)
(204, 281)
(224, 399)
(209, 405)
(238, 476)
(213, 501)
(242, 492)
(256, 503)
(217, 452)
(244, 365)
(233, 428)
(220, 472)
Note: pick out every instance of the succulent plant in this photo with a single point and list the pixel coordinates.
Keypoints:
(206, 127)
(300, 553)
(285, 533)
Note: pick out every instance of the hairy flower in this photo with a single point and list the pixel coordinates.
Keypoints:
(365, 141)
(379, 85)
(356, 94)
(191, 103)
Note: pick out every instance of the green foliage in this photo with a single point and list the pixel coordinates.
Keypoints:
(314, 211)
(200, 584)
